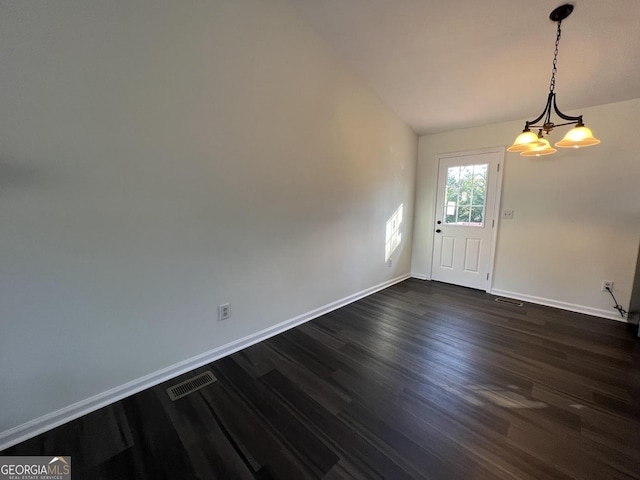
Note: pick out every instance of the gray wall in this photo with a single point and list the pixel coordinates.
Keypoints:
(160, 158)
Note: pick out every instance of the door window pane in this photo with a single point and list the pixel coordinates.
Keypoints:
(465, 195)
(476, 215)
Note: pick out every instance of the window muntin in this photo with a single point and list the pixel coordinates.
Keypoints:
(465, 195)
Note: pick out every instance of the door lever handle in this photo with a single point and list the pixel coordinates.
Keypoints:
(438, 231)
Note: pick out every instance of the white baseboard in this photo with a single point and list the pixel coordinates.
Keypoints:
(419, 276)
(596, 312)
(54, 419)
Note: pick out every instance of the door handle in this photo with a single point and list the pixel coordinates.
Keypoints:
(438, 231)
(439, 222)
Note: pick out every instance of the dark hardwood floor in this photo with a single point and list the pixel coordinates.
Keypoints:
(421, 380)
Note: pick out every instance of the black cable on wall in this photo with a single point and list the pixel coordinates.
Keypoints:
(618, 307)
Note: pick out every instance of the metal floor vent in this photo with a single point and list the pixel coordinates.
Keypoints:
(509, 301)
(183, 389)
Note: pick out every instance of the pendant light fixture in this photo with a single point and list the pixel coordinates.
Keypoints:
(530, 144)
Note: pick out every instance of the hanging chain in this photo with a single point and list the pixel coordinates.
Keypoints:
(552, 85)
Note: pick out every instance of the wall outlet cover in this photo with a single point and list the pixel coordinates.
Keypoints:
(224, 311)
(607, 283)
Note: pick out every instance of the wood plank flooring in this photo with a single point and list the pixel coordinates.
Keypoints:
(422, 380)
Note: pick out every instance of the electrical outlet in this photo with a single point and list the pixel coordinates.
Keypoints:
(607, 283)
(507, 214)
(224, 311)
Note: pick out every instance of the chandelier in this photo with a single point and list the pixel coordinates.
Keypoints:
(530, 144)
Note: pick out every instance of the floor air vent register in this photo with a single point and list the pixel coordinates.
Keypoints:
(509, 301)
(183, 389)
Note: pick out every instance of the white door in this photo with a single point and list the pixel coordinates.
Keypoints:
(466, 200)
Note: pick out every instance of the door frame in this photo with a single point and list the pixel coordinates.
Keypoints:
(496, 207)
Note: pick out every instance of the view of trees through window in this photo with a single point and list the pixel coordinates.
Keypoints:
(465, 195)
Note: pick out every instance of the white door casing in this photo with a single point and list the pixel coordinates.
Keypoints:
(467, 204)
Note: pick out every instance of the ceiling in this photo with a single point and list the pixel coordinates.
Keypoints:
(443, 65)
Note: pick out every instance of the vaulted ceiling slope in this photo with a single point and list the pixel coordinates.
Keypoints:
(445, 65)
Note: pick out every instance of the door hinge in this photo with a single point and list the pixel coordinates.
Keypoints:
(493, 223)
(487, 276)
(498, 167)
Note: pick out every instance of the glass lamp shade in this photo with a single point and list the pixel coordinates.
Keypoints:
(538, 151)
(578, 137)
(525, 141)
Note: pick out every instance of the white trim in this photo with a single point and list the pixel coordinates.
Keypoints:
(496, 219)
(419, 276)
(572, 307)
(51, 420)
(468, 153)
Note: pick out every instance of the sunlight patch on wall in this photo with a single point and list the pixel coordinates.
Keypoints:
(393, 234)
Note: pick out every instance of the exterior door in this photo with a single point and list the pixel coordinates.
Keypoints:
(464, 224)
